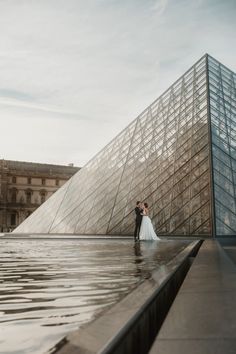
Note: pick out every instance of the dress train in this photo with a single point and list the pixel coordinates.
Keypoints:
(147, 232)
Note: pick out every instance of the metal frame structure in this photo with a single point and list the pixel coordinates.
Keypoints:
(222, 89)
(167, 157)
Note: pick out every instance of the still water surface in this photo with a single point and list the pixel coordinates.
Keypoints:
(51, 287)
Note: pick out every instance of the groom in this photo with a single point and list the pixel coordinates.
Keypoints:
(138, 211)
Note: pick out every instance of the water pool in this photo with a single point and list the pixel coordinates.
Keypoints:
(49, 287)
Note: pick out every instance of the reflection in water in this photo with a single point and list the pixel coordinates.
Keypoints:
(50, 287)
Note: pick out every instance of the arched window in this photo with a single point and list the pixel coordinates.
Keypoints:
(13, 179)
(43, 194)
(13, 195)
(43, 181)
(28, 194)
(29, 180)
(13, 219)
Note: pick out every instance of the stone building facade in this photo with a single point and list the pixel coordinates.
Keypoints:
(24, 186)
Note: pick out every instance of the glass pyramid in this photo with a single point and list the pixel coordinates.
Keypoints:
(179, 155)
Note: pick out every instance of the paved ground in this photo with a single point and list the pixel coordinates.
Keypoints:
(202, 319)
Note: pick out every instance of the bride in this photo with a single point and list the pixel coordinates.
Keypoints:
(147, 232)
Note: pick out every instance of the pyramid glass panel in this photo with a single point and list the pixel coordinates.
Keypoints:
(222, 89)
(179, 155)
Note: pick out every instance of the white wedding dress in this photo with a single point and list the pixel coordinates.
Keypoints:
(147, 232)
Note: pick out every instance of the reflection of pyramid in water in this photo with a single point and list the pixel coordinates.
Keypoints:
(179, 155)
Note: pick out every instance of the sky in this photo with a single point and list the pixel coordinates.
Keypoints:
(74, 73)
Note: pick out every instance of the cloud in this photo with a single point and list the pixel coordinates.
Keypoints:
(18, 95)
(159, 6)
(22, 102)
(94, 65)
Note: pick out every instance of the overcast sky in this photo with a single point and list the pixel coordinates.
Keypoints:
(73, 73)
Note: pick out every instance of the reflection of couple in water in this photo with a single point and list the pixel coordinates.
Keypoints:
(143, 224)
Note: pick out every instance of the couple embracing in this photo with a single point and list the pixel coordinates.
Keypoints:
(143, 224)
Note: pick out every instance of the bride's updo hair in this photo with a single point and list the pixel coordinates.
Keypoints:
(146, 205)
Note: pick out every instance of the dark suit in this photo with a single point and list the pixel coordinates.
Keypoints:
(138, 222)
